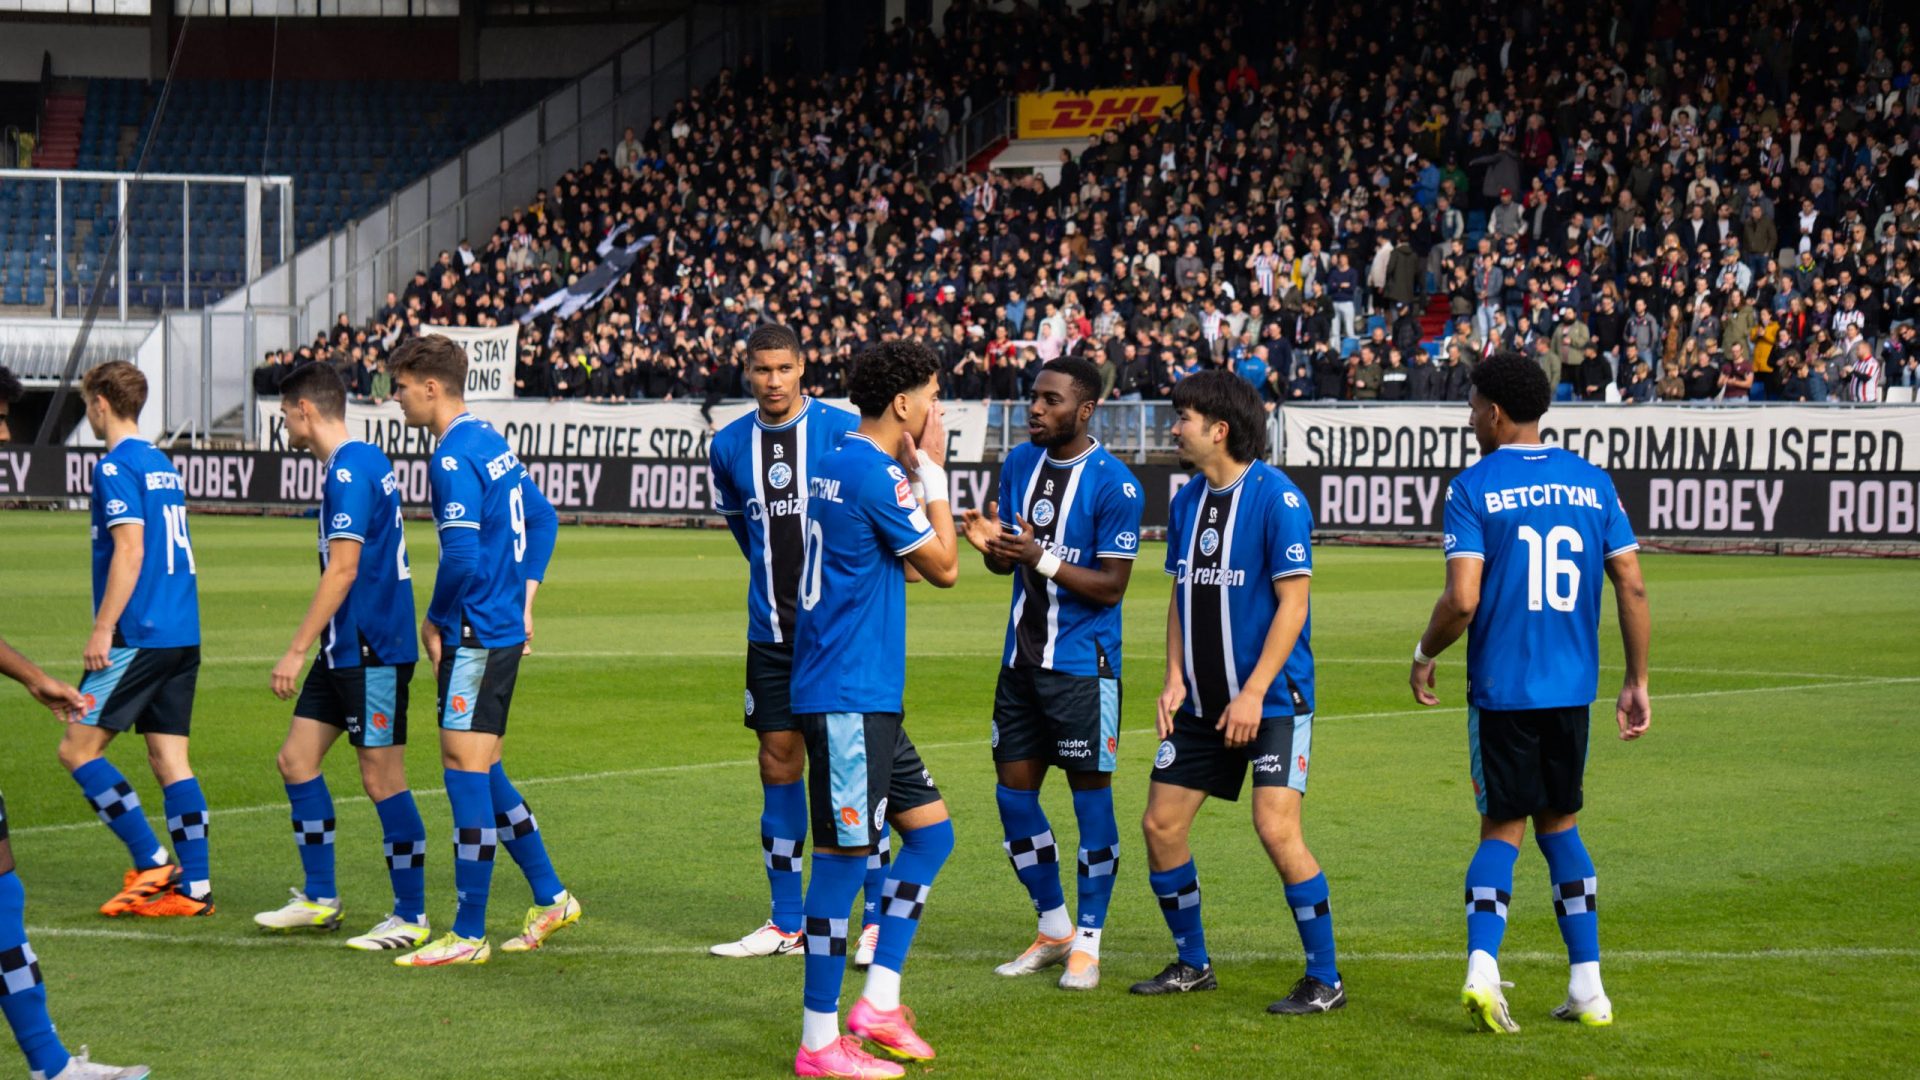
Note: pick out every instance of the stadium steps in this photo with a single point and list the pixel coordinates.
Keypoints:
(980, 161)
(1433, 324)
(62, 120)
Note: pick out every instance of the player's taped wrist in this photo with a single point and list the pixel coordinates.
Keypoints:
(930, 480)
(1048, 565)
(1420, 655)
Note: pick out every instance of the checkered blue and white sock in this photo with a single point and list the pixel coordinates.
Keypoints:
(1489, 890)
(521, 834)
(1576, 893)
(1099, 863)
(1035, 856)
(783, 834)
(474, 840)
(903, 899)
(1313, 917)
(23, 995)
(313, 823)
(836, 881)
(186, 808)
(113, 799)
(876, 876)
(1179, 893)
(404, 838)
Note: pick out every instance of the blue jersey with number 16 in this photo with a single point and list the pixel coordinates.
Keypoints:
(1545, 522)
(479, 483)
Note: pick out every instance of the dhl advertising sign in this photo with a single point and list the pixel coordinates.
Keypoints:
(1076, 115)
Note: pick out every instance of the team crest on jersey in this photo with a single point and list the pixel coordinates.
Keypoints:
(1449, 540)
(1164, 757)
(1127, 541)
(115, 506)
(1293, 500)
(780, 475)
(109, 469)
(1209, 542)
(341, 521)
(1043, 512)
(749, 703)
(996, 734)
(1296, 553)
(454, 512)
(343, 476)
(450, 463)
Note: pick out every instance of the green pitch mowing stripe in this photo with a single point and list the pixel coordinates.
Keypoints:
(1757, 852)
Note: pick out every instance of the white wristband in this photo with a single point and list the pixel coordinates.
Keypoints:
(1420, 656)
(1048, 565)
(932, 478)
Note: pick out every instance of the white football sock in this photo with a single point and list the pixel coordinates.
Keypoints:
(1088, 942)
(1583, 982)
(818, 1029)
(1056, 923)
(883, 988)
(1481, 963)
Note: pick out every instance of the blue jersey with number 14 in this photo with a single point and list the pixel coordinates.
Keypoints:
(135, 484)
(478, 483)
(1544, 521)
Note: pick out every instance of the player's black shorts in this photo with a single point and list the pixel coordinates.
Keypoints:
(1072, 721)
(1196, 756)
(369, 701)
(148, 691)
(1525, 761)
(3, 817)
(769, 695)
(861, 767)
(476, 687)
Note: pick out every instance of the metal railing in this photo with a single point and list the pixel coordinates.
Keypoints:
(977, 131)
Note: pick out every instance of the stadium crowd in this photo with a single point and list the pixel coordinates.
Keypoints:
(1674, 202)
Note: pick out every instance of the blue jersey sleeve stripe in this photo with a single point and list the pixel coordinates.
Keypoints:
(1299, 572)
(1127, 555)
(343, 535)
(459, 525)
(916, 545)
(1623, 550)
(726, 512)
(1451, 555)
(126, 519)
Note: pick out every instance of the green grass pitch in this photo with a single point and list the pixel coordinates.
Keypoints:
(1756, 850)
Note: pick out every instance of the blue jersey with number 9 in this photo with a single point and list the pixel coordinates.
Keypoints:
(1544, 521)
(479, 483)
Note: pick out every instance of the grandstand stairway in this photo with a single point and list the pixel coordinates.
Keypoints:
(1433, 322)
(62, 121)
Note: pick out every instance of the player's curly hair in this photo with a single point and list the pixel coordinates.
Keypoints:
(1086, 377)
(10, 388)
(887, 370)
(1514, 382)
(1220, 395)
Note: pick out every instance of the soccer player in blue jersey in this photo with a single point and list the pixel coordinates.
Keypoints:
(1530, 528)
(362, 616)
(761, 464)
(1239, 681)
(143, 656)
(23, 992)
(1067, 528)
(496, 534)
(878, 515)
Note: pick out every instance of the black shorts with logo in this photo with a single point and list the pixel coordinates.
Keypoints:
(148, 691)
(1525, 761)
(1196, 756)
(861, 767)
(369, 701)
(476, 687)
(1072, 721)
(769, 693)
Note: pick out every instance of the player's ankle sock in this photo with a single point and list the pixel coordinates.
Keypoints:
(405, 838)
(836, 880)
(904, 896)
(474, 839)
(877, 864)
(1313, 917)
(521, 833)
(186, 810)
(783, 832)
(883, 988)
(1179, 893)
(819, 1029)
(1035, 857)
(1575, 893)
(1099, 862)
(114, 800)
(23, 996)
(313, 833)
(1489, 889)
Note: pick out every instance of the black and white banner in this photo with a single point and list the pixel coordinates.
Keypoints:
(492, 352)
(1707, 505)
(1680, 438)
(579, 429)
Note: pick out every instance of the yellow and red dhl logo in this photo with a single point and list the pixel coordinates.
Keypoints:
(1059, 116)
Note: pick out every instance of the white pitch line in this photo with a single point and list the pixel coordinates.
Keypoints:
(1441, 710)
(566, 948)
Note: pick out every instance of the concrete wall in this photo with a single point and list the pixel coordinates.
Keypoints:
(92, 51)
(550, 52)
